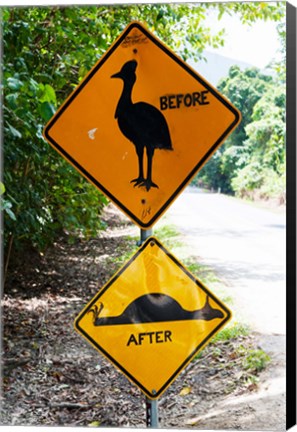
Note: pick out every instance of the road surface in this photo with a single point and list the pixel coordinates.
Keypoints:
(245, 245)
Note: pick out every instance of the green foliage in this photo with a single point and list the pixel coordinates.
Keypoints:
(264, 172)
(250, 12)
(255, 360)
(201, 271)
(2, 188)
(266, 133)
(231, 331)
(44, 194)
(264, 183)
(169, 235)
(251, 161)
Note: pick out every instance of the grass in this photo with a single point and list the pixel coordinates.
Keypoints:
(169, 236)
(255, 360)
(231, 352)
(230, 332)
(201, 271)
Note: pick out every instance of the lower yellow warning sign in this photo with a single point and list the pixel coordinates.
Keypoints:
(151, 318)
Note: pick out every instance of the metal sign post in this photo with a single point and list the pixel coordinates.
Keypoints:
(152, 413)
(151, 404)
(145, 234)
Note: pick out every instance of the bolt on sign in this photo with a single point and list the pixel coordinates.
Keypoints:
(152, 318)
(141, 124)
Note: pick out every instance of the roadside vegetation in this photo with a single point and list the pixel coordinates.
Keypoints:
(251, 162)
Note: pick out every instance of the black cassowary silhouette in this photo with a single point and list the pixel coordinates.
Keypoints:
(155, 307)
(141, 123)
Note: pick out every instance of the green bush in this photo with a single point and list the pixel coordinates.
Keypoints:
(255, 360)
(256, 182)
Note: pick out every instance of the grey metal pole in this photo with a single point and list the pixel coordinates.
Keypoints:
(152, 413)
(151, 404)
(145, 234)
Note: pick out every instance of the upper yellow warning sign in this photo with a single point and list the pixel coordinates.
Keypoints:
(141, 124)
(151, 318)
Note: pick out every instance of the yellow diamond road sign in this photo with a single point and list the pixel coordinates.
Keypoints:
(141, 124)
(151, 318)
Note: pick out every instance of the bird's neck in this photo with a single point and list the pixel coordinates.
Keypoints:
(125, 101)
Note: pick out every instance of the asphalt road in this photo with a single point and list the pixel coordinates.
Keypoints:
(246, 246)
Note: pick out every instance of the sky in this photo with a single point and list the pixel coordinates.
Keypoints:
(257, 44)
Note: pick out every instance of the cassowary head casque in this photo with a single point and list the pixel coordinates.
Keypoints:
(127, 72)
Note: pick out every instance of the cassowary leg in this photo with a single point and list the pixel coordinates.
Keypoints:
(140, 178)
(148, 183)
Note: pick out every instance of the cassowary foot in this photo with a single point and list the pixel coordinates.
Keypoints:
(148, 184)
(137, 181)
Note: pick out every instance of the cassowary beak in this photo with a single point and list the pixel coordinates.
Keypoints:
(116, 75)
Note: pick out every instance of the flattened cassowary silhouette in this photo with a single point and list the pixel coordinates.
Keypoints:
(155, 307)
(143, 124)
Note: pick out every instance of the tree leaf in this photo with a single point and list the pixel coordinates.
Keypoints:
(50, 93)
(193, 421)
(6, 206)
(185, 391)
(14, 131)
(94, 424)
(46, 110)
(2, 188)
(14, 83)
(12, 100)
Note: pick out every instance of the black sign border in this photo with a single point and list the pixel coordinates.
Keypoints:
(81, 86)
(146, 391)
